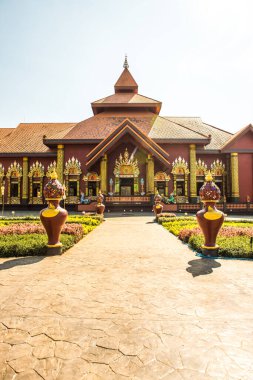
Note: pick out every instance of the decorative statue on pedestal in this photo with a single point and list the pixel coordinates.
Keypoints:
(209, 218)
(53, 217)
(100, 205)
(158, 207)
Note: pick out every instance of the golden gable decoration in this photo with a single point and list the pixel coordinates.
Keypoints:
(180, 166)
(161, 176)
(36, 170)
(51, 168)
(14, 170)
(73, 167)
(126, 166)
(217, 168)
(201, 168)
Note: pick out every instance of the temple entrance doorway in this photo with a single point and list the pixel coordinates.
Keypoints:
(126, 187)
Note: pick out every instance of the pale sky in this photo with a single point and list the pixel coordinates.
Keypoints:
(57, 56)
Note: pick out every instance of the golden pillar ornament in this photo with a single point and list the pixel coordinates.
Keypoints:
(60, 162)
(193, 182)
(25, 181)
(103, 174)
(234, 177)
(150, 175)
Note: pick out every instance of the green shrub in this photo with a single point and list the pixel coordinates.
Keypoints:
(30, 245)
(236, 246)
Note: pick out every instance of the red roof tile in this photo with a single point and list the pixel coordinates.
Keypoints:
(28, 137)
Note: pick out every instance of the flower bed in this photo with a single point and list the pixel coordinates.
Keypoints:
(27, 237)
(234, 238)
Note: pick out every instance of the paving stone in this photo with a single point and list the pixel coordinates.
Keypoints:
(49, 368)
(66, 350)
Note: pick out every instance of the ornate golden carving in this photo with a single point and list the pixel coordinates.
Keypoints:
(25, 178)
(126, 166)
(180, 166)
(235, 175)
(14, 170)
(161, 176)
(217, 168)
(193, 183)
(51, 168)
(60, 162)
(73, 167)
(179, 169)
(1, 171)
(36, 170)
(14, 174)
(201, 168)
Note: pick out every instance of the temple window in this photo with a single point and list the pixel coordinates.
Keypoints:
(180, 173)
(161, 180)
(14, 175)
(126, 172)
(36, 175)
(92, 184)
(218, 173)
(72, 188)
(72, 174)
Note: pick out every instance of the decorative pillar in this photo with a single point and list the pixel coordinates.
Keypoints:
(60, 162)
(193, 183)
(103, 174)
(136, 185)
(150, 174)
(175, 185)
(234, 177)
(166, 187)
(228, 178)
(25, 181)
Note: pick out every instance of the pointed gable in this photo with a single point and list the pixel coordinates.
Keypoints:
(126, 83)
(127, 127)
(126, 96)
(241, 141)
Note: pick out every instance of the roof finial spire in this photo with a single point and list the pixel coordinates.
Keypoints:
(126, 65)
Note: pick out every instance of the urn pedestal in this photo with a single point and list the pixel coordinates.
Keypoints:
(53, 217)
(157, 207)
(210, 219)
(100, 206)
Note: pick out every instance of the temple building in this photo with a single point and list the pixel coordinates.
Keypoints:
(129, 151)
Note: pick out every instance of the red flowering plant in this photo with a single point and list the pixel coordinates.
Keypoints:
(227, 232)
(28, 228)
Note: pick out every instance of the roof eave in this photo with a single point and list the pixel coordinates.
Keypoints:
(179, 141)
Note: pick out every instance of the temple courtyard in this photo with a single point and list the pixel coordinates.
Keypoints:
(129, 301)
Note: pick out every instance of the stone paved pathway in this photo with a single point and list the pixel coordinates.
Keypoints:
(125, 303)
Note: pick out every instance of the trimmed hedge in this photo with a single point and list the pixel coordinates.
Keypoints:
(30, 244)
(234, 237)
(236, 246)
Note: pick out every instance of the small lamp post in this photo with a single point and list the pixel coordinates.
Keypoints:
(142, 187)
(2, 192)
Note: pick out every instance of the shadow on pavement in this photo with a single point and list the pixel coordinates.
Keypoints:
(21, 261)
(202, 267)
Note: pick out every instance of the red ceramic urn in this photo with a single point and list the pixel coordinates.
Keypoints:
(210, 219)
(100, 205)
(53, 217)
